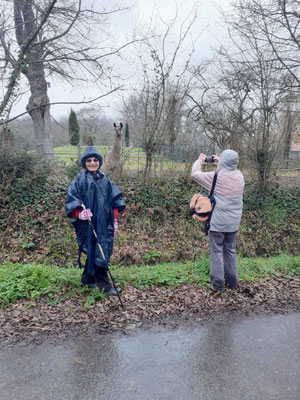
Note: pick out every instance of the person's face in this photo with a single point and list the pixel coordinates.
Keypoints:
(92, 164)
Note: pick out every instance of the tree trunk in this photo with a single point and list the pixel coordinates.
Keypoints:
(263, 168)
(148, 166)
(288, 127)
(34, 70)
(42, 126)
(6, 140)
(161, 160)
(40, 111)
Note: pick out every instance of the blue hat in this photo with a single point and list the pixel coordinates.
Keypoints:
(91, 151)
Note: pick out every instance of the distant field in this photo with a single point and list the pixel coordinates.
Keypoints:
(69, 153)
(134, 159)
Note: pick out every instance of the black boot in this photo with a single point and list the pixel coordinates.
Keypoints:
(89, 285)
(102, 279)
(87, 279)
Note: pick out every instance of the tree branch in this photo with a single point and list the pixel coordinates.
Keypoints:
(23, 52)
(60, 103)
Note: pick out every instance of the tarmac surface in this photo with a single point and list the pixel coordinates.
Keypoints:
(226, 358)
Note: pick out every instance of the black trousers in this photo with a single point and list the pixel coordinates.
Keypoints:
(100, 278)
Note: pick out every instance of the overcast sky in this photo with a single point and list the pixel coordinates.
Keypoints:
(140, 13)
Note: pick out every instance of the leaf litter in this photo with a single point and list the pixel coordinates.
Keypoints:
(25, 322)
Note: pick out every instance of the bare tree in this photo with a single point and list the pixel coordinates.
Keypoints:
(219, 100)
(132, 113)
(94, 123)
(277, 25)
(278, 32)
(241, 101)
(164, 87)
(290, 120)
(176, 97)
(63, 38)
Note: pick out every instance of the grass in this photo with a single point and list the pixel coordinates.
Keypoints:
(134, 159)
(30, 281)
(67, 153)
(167, 274)
(254, 269)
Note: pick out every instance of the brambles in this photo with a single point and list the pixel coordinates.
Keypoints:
(155, 227)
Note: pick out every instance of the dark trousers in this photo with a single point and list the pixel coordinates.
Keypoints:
(100, 278)
(222, 259)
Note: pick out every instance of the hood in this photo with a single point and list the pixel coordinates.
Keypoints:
(91, 151)
(229, 160)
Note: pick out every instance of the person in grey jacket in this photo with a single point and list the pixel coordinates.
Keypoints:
(225, 218)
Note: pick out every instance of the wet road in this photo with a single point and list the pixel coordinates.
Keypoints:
(223, 359)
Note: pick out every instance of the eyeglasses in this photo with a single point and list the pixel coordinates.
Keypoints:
(89, 160)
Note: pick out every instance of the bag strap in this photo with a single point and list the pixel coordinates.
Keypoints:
(207, 223)
(213, 184)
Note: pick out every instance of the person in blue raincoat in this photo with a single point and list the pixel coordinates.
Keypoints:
(102, 201)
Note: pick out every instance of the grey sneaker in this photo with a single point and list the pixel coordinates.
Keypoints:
(216, 290)
(113, 291)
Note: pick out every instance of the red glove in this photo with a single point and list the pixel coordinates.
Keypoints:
(85, 214)
(116, 214)
(76, 212)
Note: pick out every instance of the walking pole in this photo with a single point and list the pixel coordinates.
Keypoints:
(102, 254)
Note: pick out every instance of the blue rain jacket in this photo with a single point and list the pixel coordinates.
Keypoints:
(98, 193)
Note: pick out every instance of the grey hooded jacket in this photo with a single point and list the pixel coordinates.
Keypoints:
(228, 192)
